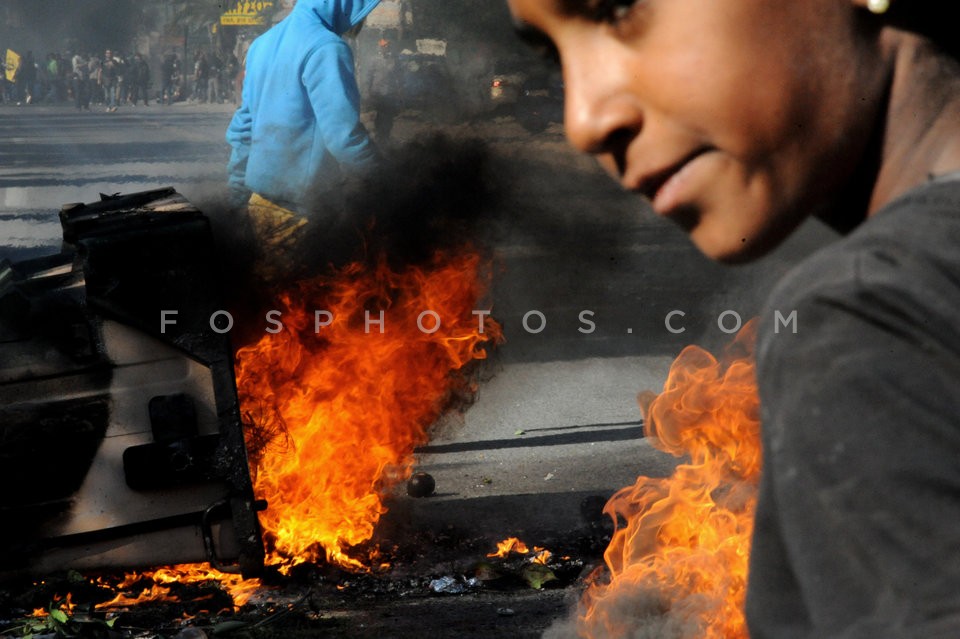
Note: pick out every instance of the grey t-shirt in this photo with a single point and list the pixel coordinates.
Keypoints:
(858, 524)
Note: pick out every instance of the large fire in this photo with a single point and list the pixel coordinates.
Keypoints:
(678, 559)
(366, 361)
(337, 401)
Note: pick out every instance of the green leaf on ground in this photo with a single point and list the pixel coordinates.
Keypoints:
(536, 575)
(58, 615)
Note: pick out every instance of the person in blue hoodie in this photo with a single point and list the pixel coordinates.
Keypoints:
(297, 135)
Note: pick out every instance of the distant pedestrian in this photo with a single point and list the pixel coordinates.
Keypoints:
(93, 79)
(201, 72)
(214, 69)
(240, 52)
(109, 80)
(64, 72)
(122, 87)
(80, 74)
(231, 70)
(48, 69)
(170, 78)
(9, 64)
(139, 80)
(381, 89)
(25, 79)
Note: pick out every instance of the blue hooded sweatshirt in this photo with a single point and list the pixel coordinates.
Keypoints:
(298, 130)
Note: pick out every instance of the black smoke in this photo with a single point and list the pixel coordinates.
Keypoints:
(433, 193)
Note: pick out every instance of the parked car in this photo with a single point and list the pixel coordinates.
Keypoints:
(505, 89)
(533, 96)
(540, 102)
(506, 84)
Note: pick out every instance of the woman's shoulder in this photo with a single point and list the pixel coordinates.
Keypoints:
(900, 269)
(910, 243)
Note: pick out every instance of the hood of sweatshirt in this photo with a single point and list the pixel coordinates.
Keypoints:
(338, 15)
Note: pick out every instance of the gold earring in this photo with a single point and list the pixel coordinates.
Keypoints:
(878, 6)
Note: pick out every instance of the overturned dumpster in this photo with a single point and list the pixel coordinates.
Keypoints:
(121, 442)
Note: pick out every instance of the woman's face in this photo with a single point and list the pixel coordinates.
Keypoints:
(735, 117)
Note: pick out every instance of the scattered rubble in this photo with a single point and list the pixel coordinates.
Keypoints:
(436, 581)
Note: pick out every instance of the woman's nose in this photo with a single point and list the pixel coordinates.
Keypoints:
(601, 113)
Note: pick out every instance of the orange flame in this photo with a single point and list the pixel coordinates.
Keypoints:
(345, 403)
(509, 545)
(240, 589)
(515, 545)
(678, 565)
(137, 588)
(64, 604)
(542, 555)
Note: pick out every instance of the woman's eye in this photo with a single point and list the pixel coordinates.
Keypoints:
(611, 11)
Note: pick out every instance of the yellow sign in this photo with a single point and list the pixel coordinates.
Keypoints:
(11, 64)
(247, 13)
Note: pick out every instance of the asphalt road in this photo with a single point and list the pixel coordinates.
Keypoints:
(50, 156)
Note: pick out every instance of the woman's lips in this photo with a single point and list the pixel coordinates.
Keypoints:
(669, 188)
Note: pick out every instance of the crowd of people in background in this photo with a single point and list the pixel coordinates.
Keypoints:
(113, 79)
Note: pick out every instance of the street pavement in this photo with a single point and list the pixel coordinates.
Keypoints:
(541, 441)
(52, 155)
